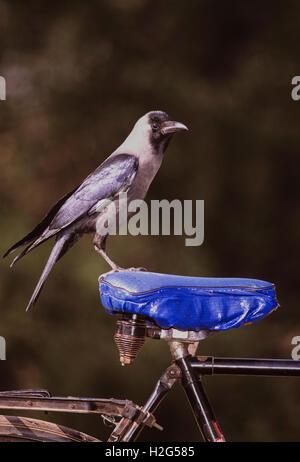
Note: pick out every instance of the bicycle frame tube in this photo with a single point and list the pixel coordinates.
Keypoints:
(162, 387)
(208, 365)
(198, 400)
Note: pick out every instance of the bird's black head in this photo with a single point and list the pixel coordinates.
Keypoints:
(162, 128)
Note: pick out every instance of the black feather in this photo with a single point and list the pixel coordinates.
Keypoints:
(59, 246)
(32, 246)
(105, 182)
(40, 228)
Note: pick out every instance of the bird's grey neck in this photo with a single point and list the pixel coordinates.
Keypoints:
(141, 148)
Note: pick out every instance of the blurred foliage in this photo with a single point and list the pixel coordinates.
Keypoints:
(78, 76)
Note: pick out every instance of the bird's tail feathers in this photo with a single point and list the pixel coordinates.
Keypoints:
(28, 238)
(35, 235)
(31, 246)
(60, 246)
(40, 229)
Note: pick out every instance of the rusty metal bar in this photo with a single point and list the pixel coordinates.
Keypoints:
(111, 406)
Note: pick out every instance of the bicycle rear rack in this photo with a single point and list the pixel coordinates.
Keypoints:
(130, 414)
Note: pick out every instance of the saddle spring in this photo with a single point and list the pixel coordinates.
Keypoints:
(130, 337)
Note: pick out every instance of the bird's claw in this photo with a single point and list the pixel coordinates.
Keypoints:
(114, 270)
(119, 268)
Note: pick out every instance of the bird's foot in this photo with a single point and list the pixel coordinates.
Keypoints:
(114, 270)
(119, 268)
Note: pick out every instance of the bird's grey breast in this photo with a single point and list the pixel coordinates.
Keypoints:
(147, 170)
(116, 212)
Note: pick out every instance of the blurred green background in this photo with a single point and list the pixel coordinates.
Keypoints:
(78, 75)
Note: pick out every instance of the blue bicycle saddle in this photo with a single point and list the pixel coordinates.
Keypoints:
(188, 303)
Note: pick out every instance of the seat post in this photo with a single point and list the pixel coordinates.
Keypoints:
(181, 349)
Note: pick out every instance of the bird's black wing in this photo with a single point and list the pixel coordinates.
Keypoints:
(116, 174)
(112, 176)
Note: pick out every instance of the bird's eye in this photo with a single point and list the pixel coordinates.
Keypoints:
(154, 126)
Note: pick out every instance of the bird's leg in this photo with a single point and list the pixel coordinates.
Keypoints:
(112, 264)
(99, 245)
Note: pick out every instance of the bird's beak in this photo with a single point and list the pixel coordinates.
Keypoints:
(172, 127)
